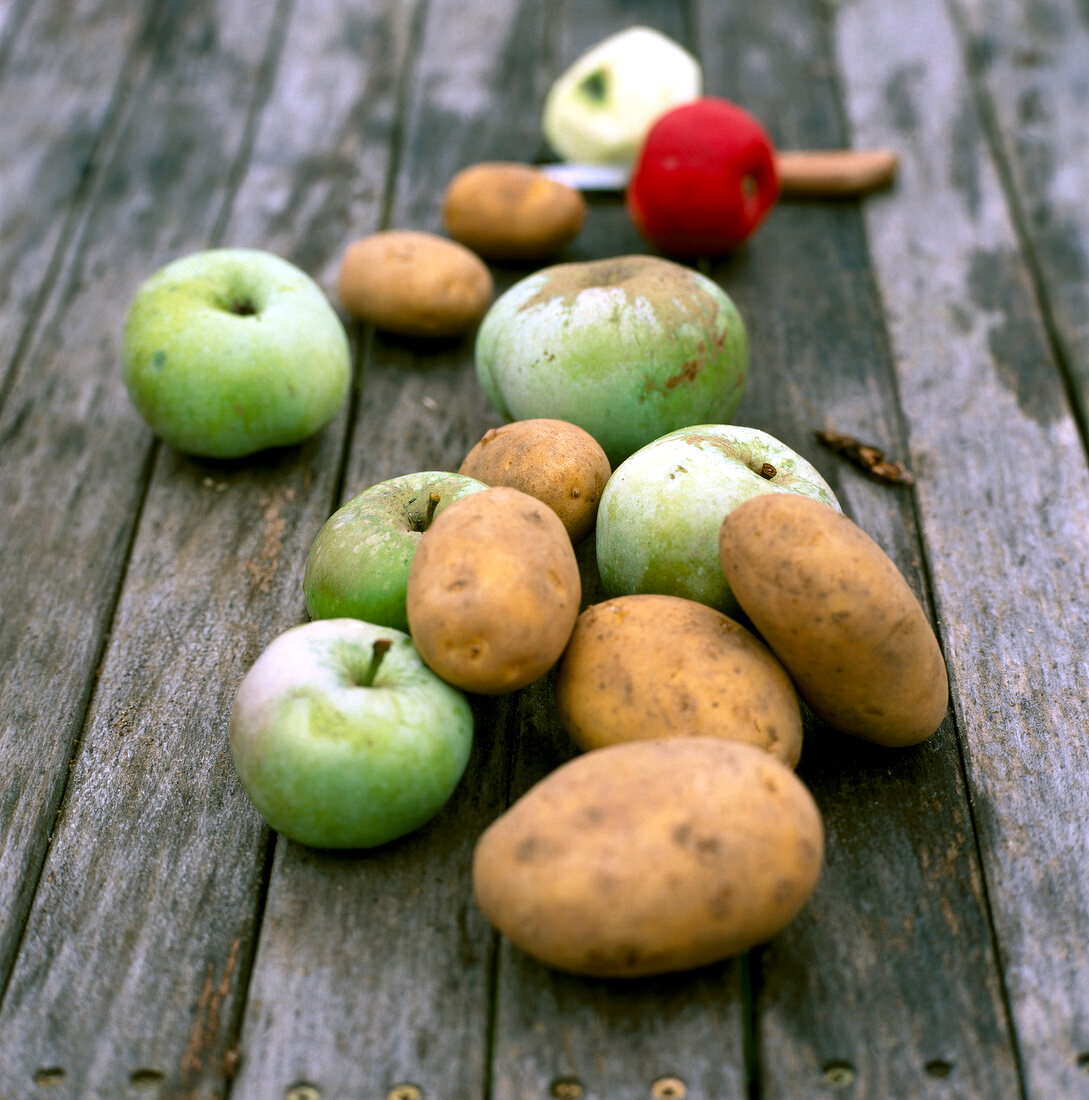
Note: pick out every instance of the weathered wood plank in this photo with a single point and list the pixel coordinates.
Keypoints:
(143, 916)
(386, 950)
(74, 458)
(1034, 65)
(1003, 500)
(61, 88)
(837, 994)
(554, 1032)
(374, 972)
(12, 14)
(564, 1035)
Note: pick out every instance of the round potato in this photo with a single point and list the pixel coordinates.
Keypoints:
(509, 211)
(651, 856)
(556, 462)
(493, 591)
(839, 615)
(414, 283)
(652, 666)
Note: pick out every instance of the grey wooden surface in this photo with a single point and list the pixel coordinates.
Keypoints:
(155, 939)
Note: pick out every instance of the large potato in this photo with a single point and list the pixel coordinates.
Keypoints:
(552, 460)
(493, 591)
(651, 856)
(839, 615)
(650, 666)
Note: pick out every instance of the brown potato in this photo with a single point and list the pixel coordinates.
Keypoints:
(493, 591)
(552, 460)
(414, 283)
(839, 615)
(650, 856)
(509, 211)
(650, 666)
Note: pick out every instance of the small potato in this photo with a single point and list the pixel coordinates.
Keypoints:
(552, 460)
(413, 283)
(651, 856)
(509, 211)
(493, 591)
(839, 615)
(651, 666)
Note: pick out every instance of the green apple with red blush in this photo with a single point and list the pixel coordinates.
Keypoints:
(627, 348)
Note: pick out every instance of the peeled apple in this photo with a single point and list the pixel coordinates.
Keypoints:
(599, 110)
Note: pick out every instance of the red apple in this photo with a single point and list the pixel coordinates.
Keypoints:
(704, 180)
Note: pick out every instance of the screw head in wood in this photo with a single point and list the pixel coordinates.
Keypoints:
(568, 1088)
(405, 1092)
(668, 1088)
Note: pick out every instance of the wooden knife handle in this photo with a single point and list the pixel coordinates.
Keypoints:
(821, 172)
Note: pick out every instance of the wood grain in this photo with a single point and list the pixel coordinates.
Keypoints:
(155, 938)
(62, 87)
(556, 1035)
(374, 969)
(983, 400)
(838, 996)
(1032, 71)
(143, 915)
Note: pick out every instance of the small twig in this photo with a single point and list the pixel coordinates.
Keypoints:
(868, 458)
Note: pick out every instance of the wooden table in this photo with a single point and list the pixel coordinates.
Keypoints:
(155, 939)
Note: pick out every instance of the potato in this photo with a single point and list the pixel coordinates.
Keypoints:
(652, 666)
(508, 211)
(493, 591)
(839, 615)
(556, 462)
(414, 283)
(651, 856)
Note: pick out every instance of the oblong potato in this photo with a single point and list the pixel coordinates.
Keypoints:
(839, 615)
(493, 591)
(555, 461)
(651, 856)
(650, 666)
(510, 211)
(414, 283)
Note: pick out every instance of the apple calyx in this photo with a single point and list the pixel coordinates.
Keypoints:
(242, 307)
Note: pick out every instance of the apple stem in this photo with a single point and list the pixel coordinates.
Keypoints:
(768, 471)
(432, 504)
(378, 652)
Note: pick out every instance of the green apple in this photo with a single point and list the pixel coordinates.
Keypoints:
(358, 563)
(660, 514)
(627, 348)
(233, 350)
(600, 109)
(344, 738)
